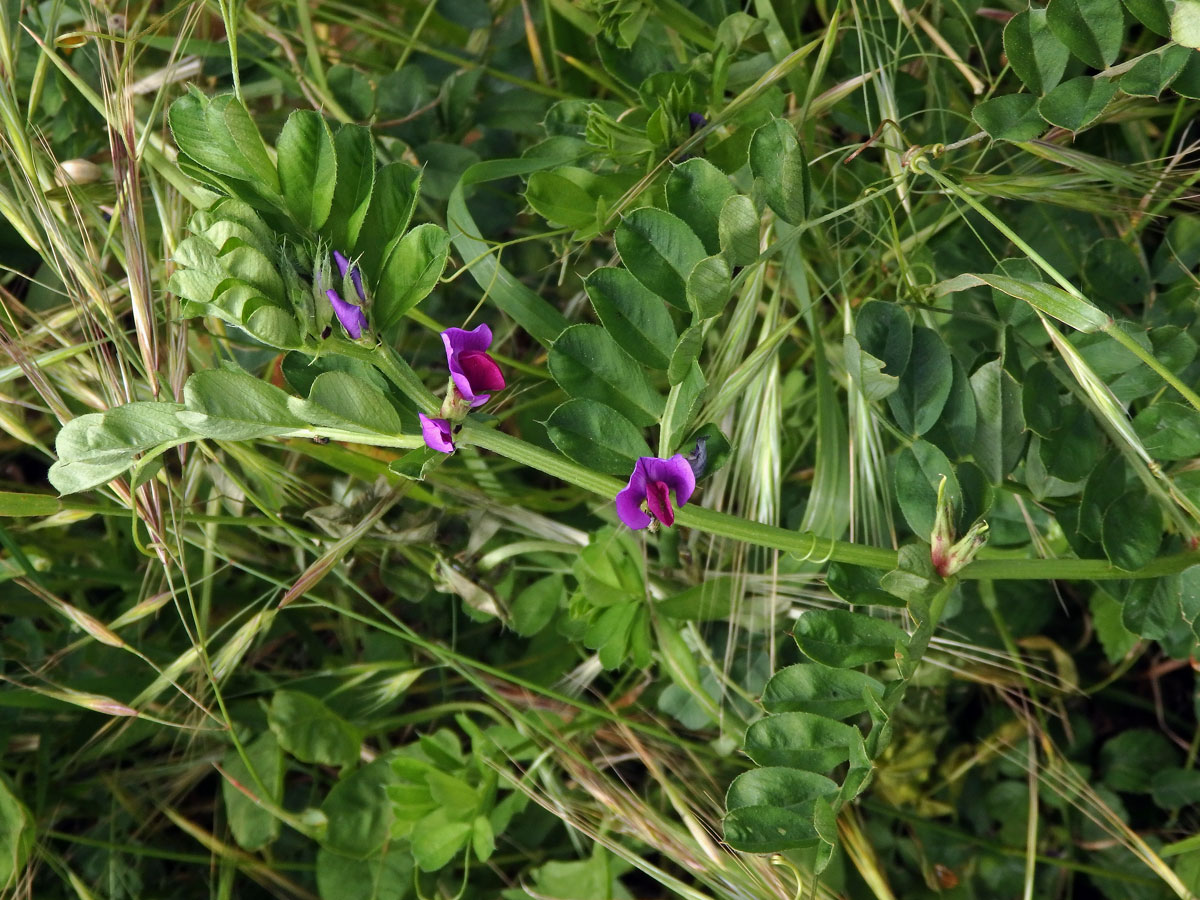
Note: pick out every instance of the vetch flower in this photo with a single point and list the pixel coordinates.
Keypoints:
(471, 369)
(652, 482)
(352, 317)
(437, 434)
(355, 274)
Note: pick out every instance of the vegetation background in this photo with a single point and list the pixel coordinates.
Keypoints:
(904, 268)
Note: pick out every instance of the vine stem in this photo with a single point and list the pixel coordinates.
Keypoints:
(803, 544)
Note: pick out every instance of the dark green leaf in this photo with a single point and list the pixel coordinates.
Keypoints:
(633, 315)
(1000, 428)
(1091, 29)
(696, 192)
(1011, 117)
(17, 832)
(885, 332)
(359, 812)
(1154, 73)
(819, 689)
(1151, 13)
(1129, 761)
(661, 251)
(1114, 272)
(1169, 430)
(919, 470)
(799, 740)
(1175, 788)
(1035, 54)
(1150, 607)
(1132, 530)
(781, 171)
(253, 827)
(954, 432)
(352, 90)
(588, 364)
(925, 384)
(597, 436)
(1077, 103)
(844, 639)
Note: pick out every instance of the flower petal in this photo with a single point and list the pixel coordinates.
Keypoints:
(629, 508)
(676, 473)
(658, 501)
(457, 340)
(342, 263)
(436, 433)
(481, 370)
(352, 317)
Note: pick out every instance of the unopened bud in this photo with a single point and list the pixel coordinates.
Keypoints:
(949, 557)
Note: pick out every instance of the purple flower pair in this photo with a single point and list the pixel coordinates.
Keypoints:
(472, 372)
(352, 317)
(652, 482)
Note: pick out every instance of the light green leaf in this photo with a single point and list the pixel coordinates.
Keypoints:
(708, 287)
(410, 273)
(17, 831)
(338, 399)
(231, 127)
(393, 199)
(312, 732)
(355, 153)
(233, 406)
(359, 810)
(1185, 23)
(436, 840)
(738, 227)
(686, 353)
(307, 165)
(535, 606)
(867, 371)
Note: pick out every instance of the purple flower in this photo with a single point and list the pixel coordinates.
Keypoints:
(437, 434)
(353, 319)
(471, 368)
(696, 120)
(652, 481)
(355, 274)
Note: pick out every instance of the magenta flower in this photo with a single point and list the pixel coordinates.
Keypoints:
(437, 434)
(471, 368)
(651, 483)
